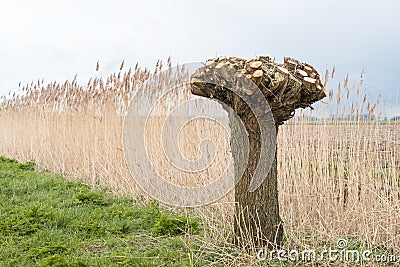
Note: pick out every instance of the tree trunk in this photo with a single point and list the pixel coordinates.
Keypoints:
(257, 220)
(237, 82)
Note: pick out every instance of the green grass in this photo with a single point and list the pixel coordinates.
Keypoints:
(46, 220)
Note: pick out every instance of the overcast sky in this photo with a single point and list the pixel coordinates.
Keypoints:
(55, 40)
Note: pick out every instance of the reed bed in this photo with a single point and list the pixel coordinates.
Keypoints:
(337, 178)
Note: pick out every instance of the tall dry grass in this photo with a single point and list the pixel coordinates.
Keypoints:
(337, 178)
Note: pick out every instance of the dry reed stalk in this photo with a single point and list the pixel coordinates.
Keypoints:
(336, 178)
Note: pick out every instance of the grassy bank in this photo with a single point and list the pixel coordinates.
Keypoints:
(46, 220)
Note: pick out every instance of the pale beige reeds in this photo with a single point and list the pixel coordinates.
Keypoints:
(336, 178)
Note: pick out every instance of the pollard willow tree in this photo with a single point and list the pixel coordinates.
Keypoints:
(243, 87)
